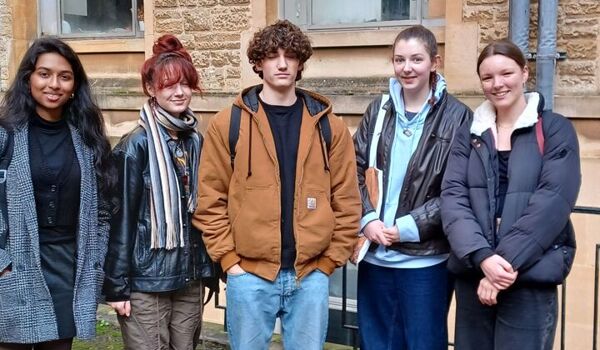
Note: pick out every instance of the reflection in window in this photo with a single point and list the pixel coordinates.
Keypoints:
(92, 17)
(349, 12)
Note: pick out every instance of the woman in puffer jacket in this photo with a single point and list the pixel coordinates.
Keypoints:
(511, 183)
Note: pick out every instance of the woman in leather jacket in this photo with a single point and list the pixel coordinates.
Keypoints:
(510, 186)
(403, 285)
(156, 258)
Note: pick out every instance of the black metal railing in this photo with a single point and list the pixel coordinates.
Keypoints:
(563, 310)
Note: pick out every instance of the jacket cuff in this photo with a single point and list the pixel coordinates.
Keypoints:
(326, 265)
(480, 255)
(4, 260)
(370, 216)
(116, 298)
(229, 259)
(407, 229)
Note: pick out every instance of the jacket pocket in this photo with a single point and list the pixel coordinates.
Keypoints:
(8, 291)
(315, 223)
(255, 227)
(552, 268)
(143, 255)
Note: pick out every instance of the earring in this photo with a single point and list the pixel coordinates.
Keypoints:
(72, 96)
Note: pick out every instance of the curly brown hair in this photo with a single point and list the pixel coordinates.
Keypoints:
(282, 34)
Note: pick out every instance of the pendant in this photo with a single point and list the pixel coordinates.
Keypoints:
(407, 132)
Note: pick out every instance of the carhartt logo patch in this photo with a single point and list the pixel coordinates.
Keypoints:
(311, 203)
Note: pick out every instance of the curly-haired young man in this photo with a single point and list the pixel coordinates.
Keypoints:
(281, 212)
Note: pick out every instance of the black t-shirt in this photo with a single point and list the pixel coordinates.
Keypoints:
(285, 122)
(503, 157)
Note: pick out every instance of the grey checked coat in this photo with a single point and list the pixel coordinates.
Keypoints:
(26, 309)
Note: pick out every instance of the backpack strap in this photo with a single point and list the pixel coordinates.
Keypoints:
(5, 159)
(326, 131)
(234, 130)
(539, 134)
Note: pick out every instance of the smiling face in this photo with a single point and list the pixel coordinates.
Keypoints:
(502, 82)
(279, 70)
(174, 98)
(413, 66)
(51, 84)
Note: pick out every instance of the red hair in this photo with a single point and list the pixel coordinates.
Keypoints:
(169, 64)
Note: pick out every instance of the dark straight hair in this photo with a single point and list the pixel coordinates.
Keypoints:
(81, 111)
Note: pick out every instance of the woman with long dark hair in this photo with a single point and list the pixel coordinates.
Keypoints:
(53, 248)
(512, 181)
(157, 260)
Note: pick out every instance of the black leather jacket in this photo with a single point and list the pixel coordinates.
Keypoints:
(422, 184)
(131, 266)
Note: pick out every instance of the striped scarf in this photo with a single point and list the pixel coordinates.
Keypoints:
(165, 205)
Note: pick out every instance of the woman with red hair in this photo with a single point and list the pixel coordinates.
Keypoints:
(156, 259)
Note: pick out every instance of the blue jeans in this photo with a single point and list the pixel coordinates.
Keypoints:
(524, 318)
(253, 305)
(403, 308)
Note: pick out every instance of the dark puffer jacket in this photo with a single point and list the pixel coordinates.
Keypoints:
(535, 234)
(131, 266)
(422, 184)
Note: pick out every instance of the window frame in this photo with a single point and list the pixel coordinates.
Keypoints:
(133, 34)
(306, 19)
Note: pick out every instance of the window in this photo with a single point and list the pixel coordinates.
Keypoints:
(92, 18)
(326, 14)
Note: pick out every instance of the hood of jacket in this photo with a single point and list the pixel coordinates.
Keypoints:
(485, 115)
(316, 104)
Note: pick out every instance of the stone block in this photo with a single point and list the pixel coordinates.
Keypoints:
(231, 20)
(164, 14)
(580, 68)
(233, 73)
(172, 26)
(234, 2)
(195, 21)
(225, 58)
(582, 8)
(478, 15)
(576, 32)
(581, 49)
(581, 22)
(201, 59)
(577, 84)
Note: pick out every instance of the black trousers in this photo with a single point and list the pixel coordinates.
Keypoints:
(60, 344)
(524, 318)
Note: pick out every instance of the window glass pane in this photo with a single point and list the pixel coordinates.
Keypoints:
(332, 12)
(89, 17)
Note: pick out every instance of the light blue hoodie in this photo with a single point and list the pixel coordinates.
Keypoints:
(406, 139)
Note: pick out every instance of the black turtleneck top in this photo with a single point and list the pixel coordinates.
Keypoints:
(56, 178)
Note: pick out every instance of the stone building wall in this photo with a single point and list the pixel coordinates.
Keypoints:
(5, 43)
(210, 29)
(578, 29)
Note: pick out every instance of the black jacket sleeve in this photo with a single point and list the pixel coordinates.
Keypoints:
(460, 224)
(427, 216)
(123, 225)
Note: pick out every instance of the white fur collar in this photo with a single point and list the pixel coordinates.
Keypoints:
(485, 115)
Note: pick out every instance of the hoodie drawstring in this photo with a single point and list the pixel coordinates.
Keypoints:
(250, 146)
